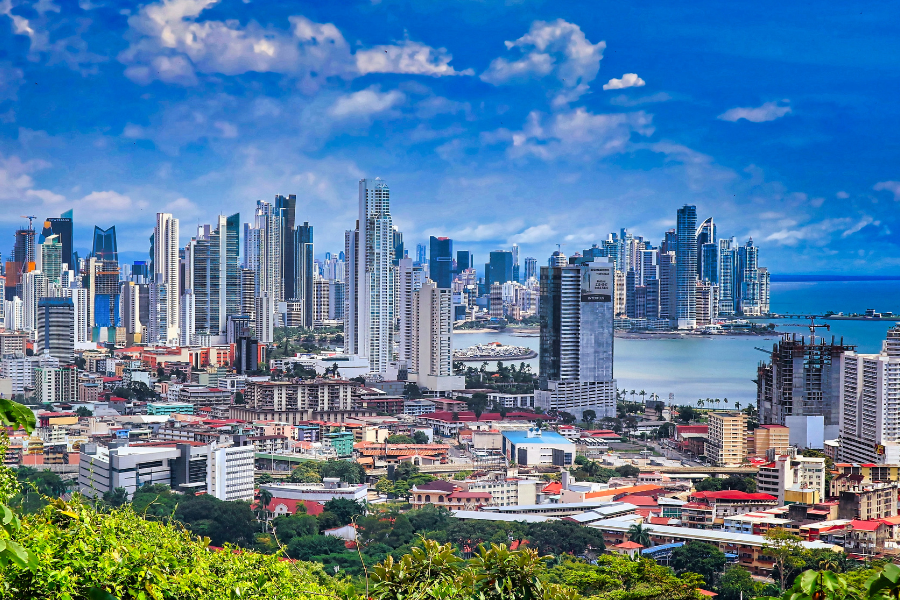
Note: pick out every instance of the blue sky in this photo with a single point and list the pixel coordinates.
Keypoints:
(538, 123)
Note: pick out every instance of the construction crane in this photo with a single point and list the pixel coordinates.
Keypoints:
(30, 220)
(812, 327)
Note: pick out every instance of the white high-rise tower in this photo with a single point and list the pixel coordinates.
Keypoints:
(164, 301)
(370, 330)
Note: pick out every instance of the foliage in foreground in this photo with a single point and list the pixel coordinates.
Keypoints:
(78, 549)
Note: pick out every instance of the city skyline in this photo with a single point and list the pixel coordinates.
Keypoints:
(482, 142)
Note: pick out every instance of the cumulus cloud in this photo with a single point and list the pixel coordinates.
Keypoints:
(626, 81)
(533, 235)
(171, 43)
(760, 114)
(888, 186)
(412, 58)
(577, 133)
(365, 103)
(559, 49)
(820, 233)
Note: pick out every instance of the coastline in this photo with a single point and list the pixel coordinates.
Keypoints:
(527, 356)
(679, 335)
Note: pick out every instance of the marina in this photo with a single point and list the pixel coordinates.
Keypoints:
(493, 351)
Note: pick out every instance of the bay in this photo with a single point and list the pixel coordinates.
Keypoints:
(700, 367)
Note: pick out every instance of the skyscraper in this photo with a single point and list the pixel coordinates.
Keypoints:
(515, 263)
(370, 330)
(432, 340)
(576, 351)
(269, 230)
(500, 266)
(62, 227)
(748, 284)
(304, 282)
(686, 267)
(287, 208)
(164, 291)
(727, 264)
(440, 261)
(706, 234)
(464, 260)
(530, 267)
(102, 276)
(411, 275)
(213, 277)
(51, 258)
(421, 251)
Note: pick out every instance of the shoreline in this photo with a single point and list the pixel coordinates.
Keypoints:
(527, 356)
(676, 335)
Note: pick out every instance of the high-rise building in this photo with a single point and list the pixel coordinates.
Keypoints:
(135, 307)
(748, 271)
(265, 318)
(287, 207)
(668, 289)
(515, 259)
(706, 234)
(686, 267)
(764, 291)
(369, 324)
(62, 228)
(337, 292)
(164, 290)
(269, 276)
(464, 260)
(51, 259)
(530, 268)
(101, 278)
(411, 276)
(213, 277)
(34, 287)
(248, 294)
(558, 259)
(707, 301)
(870, 404)
(727, 445)
(55, 334)
(304, 269)
(440, 261)
(499, 268)
(399, 248)
(727, 264)
(56, 384)
(81, 320)
(421, 254)
(801, 379)
(432, 340)
(576, 352)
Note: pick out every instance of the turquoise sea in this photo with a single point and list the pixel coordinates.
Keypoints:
(724, 367)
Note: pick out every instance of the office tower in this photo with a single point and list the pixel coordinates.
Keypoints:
(649, 265)
(265, 318)
(51, 259)
(432, 341)
(748, 270)
(55, 334)
(576, 350)
(251, 248)
(727, 443)
(62, 228)
(870, 404)
(411, 276)
(652, 294)
(464, 260)
(213, 277)
(801, 379)
(530, 267)
(369, 328)
(630, 279)
(101, 278)
(707, 303)
(669, 243)
(667, 286)
(337, 292)
(727, 264)
(706, 234)
(421, 251)
(140, 272)
(81, 325)
(304, 281)
(500, 267)
(399, 248)
(164, 290)
(709, 263)
(557, 259)
(287, 208)
(625, 239)
(440, 261)
(686, 267)
(764, 308)
(515, 259)
(269, 276)
(496, 301)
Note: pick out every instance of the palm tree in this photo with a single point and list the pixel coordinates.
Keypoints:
(638, 534)
(726, 401)
(265, 499)
(633, 393)
(737, 406)
(701, 403)
(643, 396)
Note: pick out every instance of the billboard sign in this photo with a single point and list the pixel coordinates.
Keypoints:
(597, 282)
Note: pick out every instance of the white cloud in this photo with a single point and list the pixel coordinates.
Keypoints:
(576, 133)
(842, 195)
(626, 81)
(171, 43)
(484, 232)
(625, 100)
(365, 103)
(767, 112)
(533, 235)
(888, 186)
(557, 48)
(412, 58)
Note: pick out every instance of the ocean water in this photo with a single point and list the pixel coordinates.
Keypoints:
(722, 367)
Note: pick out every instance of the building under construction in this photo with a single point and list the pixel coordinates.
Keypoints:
(801, 378)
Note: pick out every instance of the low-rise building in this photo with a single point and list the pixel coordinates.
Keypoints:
(868, 501)
(792, 478)
(727, 443)
(709, 509)
(538, 447)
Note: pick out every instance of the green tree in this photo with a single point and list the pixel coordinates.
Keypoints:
(116, 497)
(384, 485)
(589, 415)
(400, 439)
(305, 472)
(786, 551)
(736, 584)
(563, 537)
(344, 509)
(477, 403)
(222, 522)
(265, 499)
(429, 518)
(83, 411)
(697, 557)
(309, 547)
(628, 471)
(420, 437)
(615, 576)
(347, 471)
(638, 534)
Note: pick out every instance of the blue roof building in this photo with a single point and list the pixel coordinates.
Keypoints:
(537, 447)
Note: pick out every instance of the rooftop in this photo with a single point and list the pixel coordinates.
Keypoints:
(547, 437)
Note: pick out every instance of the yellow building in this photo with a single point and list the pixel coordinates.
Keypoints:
(727, 443)
(768, 437)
